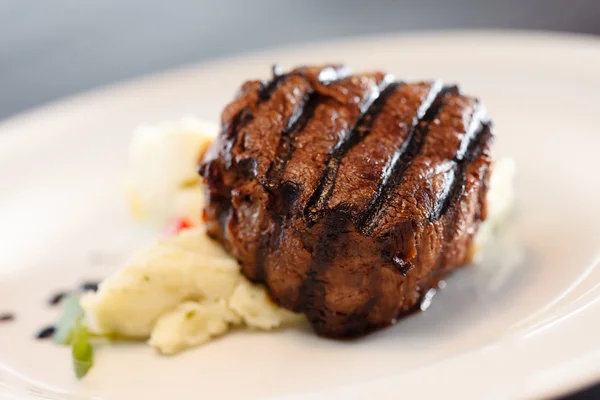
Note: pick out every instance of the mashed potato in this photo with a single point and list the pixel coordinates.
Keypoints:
(500, 203)
(184, 290)
(163, 182)
(180, 292)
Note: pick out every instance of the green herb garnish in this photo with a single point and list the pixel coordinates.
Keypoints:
(82, 351)
(70, 317)
(190, 314)
(70, 330)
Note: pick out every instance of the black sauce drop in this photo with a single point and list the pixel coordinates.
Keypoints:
(89, 286)
(57, 298)
(6, 317)
(46, 332)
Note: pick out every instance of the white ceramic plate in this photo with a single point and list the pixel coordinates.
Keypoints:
(525, 323)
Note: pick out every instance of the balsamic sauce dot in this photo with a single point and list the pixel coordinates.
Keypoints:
(89, 286)
(5, 317)
(56, 299)
(46, 332)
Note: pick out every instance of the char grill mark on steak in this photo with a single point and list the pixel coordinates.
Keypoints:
(361, 129)
(271, 86)
(472, 177)
(477, 150)
(257, 149)
(394, 171)
(429, 178)
(253, 95)
(264, 93)
(470, 149)
(271, 179)
(301, 116)
(474, 152)
(312, 292)
(296, 124)
(361, 170)
(237, 115)
(286, 148)
(431, 171)
(343, 103)
(239, 121)
(424, 187)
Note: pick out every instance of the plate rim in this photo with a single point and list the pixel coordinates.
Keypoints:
(151, 78)
(9, 127)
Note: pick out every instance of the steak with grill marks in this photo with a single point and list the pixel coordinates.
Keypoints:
(348, 196)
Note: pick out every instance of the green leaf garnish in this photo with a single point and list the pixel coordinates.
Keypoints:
(69, 319)
(82, 351)
(70, 330)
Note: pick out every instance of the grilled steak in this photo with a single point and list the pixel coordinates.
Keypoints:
(349, 196)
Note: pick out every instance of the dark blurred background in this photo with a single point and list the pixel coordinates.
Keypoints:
(50, 49)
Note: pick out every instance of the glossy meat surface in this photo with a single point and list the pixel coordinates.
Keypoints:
(348, 195)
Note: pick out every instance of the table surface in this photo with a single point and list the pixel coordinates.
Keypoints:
(48, 52)
(53, 51)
